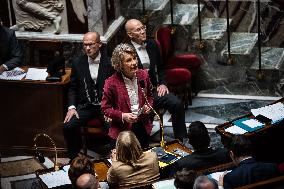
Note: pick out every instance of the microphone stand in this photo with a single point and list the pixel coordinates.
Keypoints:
(56, 167)
(162, 142)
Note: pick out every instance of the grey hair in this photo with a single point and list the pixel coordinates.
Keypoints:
(118, 54)
(202, 180)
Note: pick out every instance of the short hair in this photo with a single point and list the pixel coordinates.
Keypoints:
(117, 57)
(92, 33)
(86, 181)
(184, 178)
(198, 135)
(240, 145)
(202, 181)
(128, 148)
(79, 166)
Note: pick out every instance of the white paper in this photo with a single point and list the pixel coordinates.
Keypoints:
(274, 111)
(235, 130)
(252, 123)
(14, 74)
(217, 175)
(36, 74)
(56, 178)
(164, 184)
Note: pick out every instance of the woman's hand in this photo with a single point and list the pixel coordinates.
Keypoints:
(146, 109)
(129, 117)
(113, 155)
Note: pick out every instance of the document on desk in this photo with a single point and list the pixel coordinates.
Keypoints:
(253, 123)
(14, 74)
(56, 178)
(235, 130)
(37, 74)
(217, 175)
(164, 184)
(274, 112)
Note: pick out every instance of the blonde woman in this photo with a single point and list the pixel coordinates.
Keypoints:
(130, 165)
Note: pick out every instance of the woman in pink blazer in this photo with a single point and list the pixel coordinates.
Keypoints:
(127, 96)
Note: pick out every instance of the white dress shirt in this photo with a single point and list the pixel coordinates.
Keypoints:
(142, 53)
(132, 90)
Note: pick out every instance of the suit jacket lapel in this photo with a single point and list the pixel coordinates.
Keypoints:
(123, 90)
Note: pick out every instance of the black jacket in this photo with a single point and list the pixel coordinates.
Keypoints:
(83, 90)
(10, 52)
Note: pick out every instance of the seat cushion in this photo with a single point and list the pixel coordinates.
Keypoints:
(188, 61)
(178, 76)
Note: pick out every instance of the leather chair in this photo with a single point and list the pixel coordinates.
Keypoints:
(178, 79)
(165, 36)
(93, 128)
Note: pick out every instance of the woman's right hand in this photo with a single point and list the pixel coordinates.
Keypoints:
(129, 117)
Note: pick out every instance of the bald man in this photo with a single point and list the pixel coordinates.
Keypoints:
(87, 181)
(89, 71)
(149, 57)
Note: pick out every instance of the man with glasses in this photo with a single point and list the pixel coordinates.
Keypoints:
(89, 71)
(149, 57)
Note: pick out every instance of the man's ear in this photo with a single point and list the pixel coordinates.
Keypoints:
(129, 35)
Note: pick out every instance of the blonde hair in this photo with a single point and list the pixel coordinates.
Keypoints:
(117, 57)
(128, 148)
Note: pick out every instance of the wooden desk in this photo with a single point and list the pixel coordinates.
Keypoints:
(267, 141)
(31, 107)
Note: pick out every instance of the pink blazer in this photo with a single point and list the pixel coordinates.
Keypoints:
(115, 101)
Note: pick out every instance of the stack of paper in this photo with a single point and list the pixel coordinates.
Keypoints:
(56, 178)
(36, 74)
(274, 112)
(14, 74)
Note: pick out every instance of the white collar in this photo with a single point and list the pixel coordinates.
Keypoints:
(137, 46)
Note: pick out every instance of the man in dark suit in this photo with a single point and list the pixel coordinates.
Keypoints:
(149, 57)
(248, 170)
(203, 156)
(10, 52)
(89, 71)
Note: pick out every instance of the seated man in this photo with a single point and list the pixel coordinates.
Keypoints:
(248, 170)
(184, 178)
(87, 181)
(89, 72)
(79, 166)
(203, 156)
(11, 54)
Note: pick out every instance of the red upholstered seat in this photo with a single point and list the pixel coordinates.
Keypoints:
(192, 62)
(178, 76)
(178, 79)
(189, 61)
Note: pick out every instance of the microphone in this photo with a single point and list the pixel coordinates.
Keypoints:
(162, 142)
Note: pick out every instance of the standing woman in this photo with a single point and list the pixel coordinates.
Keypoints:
(127, 96)
(130, 165)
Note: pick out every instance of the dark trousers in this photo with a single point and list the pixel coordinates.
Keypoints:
(174, 105)
(71, 129)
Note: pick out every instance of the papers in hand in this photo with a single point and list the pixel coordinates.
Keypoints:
(56, 178)
(14, 74)
(36, 74)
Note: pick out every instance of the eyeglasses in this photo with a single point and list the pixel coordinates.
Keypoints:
(91, 45)
(139, 30)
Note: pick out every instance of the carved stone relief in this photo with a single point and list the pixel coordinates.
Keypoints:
(44, 15)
